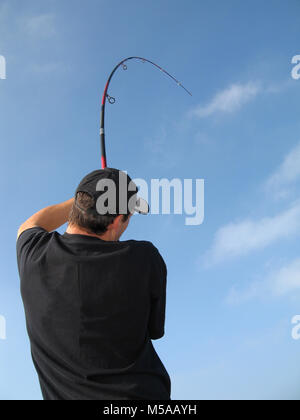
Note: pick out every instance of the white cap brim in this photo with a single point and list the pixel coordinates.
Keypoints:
(141, 206)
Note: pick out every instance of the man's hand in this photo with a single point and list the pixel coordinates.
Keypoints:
(49, 218)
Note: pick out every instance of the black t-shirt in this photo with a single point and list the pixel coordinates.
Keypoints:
(92, 308)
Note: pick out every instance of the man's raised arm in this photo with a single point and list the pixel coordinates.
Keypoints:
(49, 218)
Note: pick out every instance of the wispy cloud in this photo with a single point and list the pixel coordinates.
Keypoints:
(287, 173)
(229, 100)
(158, 146)
(281, 282)
(287, 279)
(241, 238)
(49, 68)
(38, 26)
(42, 26)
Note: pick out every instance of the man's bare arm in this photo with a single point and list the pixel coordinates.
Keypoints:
(49, 218)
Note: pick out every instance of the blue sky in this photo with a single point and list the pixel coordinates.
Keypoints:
(234, 281)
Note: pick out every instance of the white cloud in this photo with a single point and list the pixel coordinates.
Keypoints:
(241, 238)
(40, 25)
(281, 282)
(228, 100)
(48, 68)
(237, 297)
(287, 279)
(287, 173)
(158, 146)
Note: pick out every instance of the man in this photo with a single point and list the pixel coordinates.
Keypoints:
(93, 303)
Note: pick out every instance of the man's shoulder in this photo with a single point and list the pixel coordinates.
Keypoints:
(33, 234)
(146, 249)
(33, 240)
(143, 245)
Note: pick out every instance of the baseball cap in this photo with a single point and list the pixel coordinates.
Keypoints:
(113, 192)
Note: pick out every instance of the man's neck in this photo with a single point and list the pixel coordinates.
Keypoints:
(76, 230)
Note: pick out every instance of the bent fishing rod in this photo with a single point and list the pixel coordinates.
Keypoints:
(112, 100)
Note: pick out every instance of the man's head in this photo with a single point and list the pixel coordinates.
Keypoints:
(103, 204)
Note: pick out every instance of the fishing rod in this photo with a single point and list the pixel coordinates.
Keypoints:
(112, 100)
